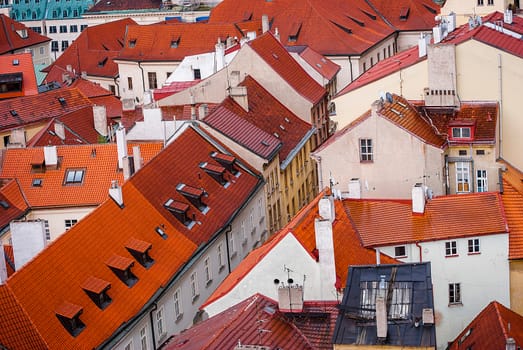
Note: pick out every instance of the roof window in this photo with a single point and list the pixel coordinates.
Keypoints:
(228, 161)
(132, 43)
(404, 13)
(13, 113)
(4, 204)
(96, 289)
(193, 195)
(74, 176)
(216, 172)
(121, 267)
(62, 101)
(179, 210)
(175, 42)
(140, 251)
(37, 182)
(102, 62)
(69, 316)
(294, 32)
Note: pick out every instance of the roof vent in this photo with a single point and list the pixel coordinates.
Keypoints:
(96, 289)
(216, 172)
(140, 251)
(180, 211)
(228, 161)
(193, 195)
(121, 267)
(69, 316)
(16, 62)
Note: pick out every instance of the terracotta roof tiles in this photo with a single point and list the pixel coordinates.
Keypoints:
(124, 5)
(20, 63)
(11, 40)
(13, 205)
(318, 62)
(513, 203)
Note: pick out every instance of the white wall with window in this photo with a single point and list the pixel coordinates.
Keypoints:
(460, 291)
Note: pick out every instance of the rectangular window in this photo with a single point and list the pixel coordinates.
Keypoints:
(129, 346)
(480, 2)
(462, 177)
(112, 88)
(400, 251)
(451, 248)
(143, 338)
(220, 255)
(473, 245)
(401, 300)
(159, 322)
(480, 152)
(54, 46)
(52, 29)
(194, 285)
(63, 29)
(454, 293)
(232, 245)
(364, 66)
(70, 223)
(83, 26)
(75, 176)
(462, 152)
(42, 50)
(461, 133)
(207, 269)
(490, 2)
(366, 150)
(243, 233)
(47, 231)
(73, 28)
(153, 84)
(481, 180)
(65, 45)
(177, 304)
(37, 29)
(129, 83)
(197, 74)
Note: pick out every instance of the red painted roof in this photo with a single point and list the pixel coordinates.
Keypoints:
(10, 40)
(35, 291)
(490, 329)
(155, 42)
(98, 160)
(40, 108)
(513, 202)
(173, 88)
(11, 196)
(312, 329)
(20, 63)
(275, 55)
(124, 5)
(387, 222)
(330, 27)
(322, 65)
(408, 15)
(92, 52)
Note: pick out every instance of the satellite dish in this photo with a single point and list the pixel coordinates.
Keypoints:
(388, 97)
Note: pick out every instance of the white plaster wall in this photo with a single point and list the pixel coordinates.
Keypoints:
(466, 8)
(478, 288)
(400, 159)
(57, 217)
(143, 18)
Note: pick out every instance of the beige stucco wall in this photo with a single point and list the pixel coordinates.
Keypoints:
(30, 131)
(466, 8)
(516, 286)
(399, 158)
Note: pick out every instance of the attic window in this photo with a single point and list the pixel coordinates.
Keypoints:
(11, 82)
(140, 251)
(102, 62)
(96, 289)
(179, 210)
(345, 29)
(22, 33)
(122, 269)
(404, 13)
(265, 143)
(69, 316)
(4, 204)
(37, 182)
(461, 133)
(74, 176)
(13, 113)
(159, 230)
(216, 172)
(247, 16)
(16, 62)
(62, 101)
(228, 161)
(357, 21)
(193, 195)
(132, 42)
(175, 42)
(294, 32)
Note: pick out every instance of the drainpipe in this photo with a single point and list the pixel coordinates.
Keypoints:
(155, 306)
(447, 190)
(350, 66)
(229, 229)
(320, 173)
(500, 74)
(143, 77)
(420, 256)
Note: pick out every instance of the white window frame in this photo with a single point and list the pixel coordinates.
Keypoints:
(129, 345)
(455, 293)
(143, 338)
(194, 285)
(458, 132)
(398, 247)
(178, 311)
(481, 180)
(159, 322)
(70, 223)
(219, 250)
(462, 177)
(474, 246)
(451, 248)
(207, 270)
(232, 245)
(366, 149)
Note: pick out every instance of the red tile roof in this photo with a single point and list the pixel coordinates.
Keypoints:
(388, 222)
(312, 329)
(92, 52)
(100, 97)
(173, 88)
(9, 259)
(98, 160)
(408, 15)
(155, 42)
(35, 291)
(513, 203)
(490, 329)
(40, 108)
(14, 204)
(275, 55)
(10, 40)
(124, 5)
(20, 63)
(322, 65)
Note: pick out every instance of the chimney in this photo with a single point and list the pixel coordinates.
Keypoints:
(508, 16)
(137, 158)
(127, 167)
(50, 156)
(451, 22)
(3, 267)
(28, 239)
(115, 192)
(510, 343)
(325, 247)
(18, 137)
(84, 75)
(326, 208)
(418, 199)
(239, 94)
(59, 130)
(422, 45)
(100, 120)
(354, 188)
(437, 34)
(219, 49)
(121, 145)
(381, 309)
(193, 108)
(265, 23)
(69, 68)
(202, 111)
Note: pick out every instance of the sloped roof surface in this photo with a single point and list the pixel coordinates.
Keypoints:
(84, 251)
(322, 65)
(99, 162)
(408, 15)
(13, 204)
(174, 41)
(275, 55)
(388, 222)
(10, 40)
(124, 5)
(512, 197)
(20, 63)
(491, 328)
(92, 52)
(311, 329)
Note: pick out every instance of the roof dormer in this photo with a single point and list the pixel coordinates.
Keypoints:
(96, 289)
(227, 161)
(69, 316)
(140, 251)
(462, 130)
(180, 211)
(216, 172)
(193, 195)
(121, 267)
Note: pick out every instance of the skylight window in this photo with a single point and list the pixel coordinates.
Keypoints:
(74, 176)
(175, 42)
(132, 43)
(37, 182)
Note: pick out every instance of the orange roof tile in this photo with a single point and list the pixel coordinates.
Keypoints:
(98, 160)
(408, 14)
(13, 203)
(275, 55)
(124, 5)
(388, 222)
(20, 63)
(513, 203)
(11, 41)
(490, 329)
(155, 42)
(322, 65)
(95, 285)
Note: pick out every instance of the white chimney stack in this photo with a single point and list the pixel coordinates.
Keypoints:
(59, 130)
(325, 247)
(265, 23)
(115, 191)
(137, 158)
(239, 94)
(50, 156)
(28, 239)
(326, 208)
(219, 49)
(127, 171)
(3, 267)
(121, 146)
(418, 199)
(100, 120)
(508, 16)
(422, 44)
(437, 34)
(354, 188)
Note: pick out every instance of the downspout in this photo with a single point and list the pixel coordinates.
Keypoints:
(229, 229)
(143, 77)
(500, 74)
(320, 173)
(350, 66)
(447, 174)
(155, 306)
(420, 256)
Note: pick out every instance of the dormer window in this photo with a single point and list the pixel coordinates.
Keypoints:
(216, 172)
(69, 316)
(193, 195)
(294, 32)
(227, 161)
(140, 251)
(96, 289)
(121, 267)
(461, 133)
(175, 42)
(179, 210)
(132, 43)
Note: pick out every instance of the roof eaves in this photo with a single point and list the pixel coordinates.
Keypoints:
(296, 149)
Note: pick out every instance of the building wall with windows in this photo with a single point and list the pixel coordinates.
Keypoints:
(465, 9)
(460, 292)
